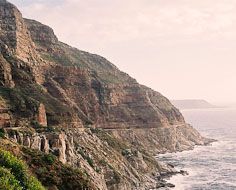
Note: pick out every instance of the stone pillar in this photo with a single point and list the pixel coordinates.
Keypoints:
(42, 118)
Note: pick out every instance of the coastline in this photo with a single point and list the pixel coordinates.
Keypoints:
(165, 182)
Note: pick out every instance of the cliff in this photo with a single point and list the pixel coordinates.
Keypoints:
(56, 99)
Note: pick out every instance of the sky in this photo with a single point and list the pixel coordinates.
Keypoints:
(185, 49)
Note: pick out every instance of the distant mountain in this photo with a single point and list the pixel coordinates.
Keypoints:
(192, 104)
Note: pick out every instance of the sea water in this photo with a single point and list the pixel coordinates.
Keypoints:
(209, 167)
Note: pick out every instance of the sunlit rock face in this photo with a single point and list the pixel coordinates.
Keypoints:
(14, 33)
(42, 118)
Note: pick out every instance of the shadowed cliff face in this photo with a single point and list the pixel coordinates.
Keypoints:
(80, 107)
(99, 92)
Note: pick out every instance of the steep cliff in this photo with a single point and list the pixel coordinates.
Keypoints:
(80, 107)
(102, 94)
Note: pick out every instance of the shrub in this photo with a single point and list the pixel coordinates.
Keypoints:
(87, 157)
(111, 140)
(34, 184)
(20, 171)
(8, 181)
(115, 177)
(36, 124)
(51, 129)
(62, 176)
(90, 161)
(127, 153)
(49, 159)
(2, 133)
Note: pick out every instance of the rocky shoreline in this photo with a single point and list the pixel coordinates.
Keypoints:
(165, 176)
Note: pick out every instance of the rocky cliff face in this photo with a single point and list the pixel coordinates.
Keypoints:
(83, 109)
(103, 95)
(14, 34)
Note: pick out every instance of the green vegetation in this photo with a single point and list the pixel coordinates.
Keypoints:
(51, 172)
(24, 102)
(2, 133)
(103, 162)
(42, 129)
(115, 177)
(49, 158)
(87, 157)
(20, 103)
(67, 56)
(110, 139)
(14, 174)
(127, 153)
(51, 129)
(36, 124)
(62, 59)
(56, 111)
(90, 161)
(8, 181)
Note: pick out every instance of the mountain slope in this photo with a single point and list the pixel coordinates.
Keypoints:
(117, 99)
(80, 107)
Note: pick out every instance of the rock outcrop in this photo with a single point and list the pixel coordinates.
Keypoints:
(42, 117)
(6, 75)
(83, 109)
(14, 34)
(56, 143)
(5, 117)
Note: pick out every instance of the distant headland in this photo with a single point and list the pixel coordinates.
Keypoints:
(192, 104)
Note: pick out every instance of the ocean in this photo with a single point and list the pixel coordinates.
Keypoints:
(210, 167)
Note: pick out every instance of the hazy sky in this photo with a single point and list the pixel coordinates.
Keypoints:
(181, 48)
